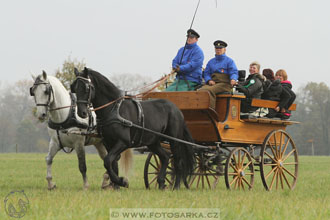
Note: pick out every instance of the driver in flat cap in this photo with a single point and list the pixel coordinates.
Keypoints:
(220, 74)
(188, 65)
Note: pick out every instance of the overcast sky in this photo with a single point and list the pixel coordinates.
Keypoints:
(143, 36)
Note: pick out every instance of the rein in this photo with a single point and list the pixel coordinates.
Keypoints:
(50, 89)
(140, 95)
(59, 108)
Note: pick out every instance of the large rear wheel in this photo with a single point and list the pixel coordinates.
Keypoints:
(279, 161)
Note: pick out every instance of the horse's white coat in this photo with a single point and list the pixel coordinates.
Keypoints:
(60, 97)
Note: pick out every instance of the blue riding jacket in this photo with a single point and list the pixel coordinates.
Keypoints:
(221, 64)
(192, 62)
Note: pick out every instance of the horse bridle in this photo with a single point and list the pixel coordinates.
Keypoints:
(48, 91)
(89, 87)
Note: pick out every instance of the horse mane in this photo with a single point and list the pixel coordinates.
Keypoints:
(104, 85)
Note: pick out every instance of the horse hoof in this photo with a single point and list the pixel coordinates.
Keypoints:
(52, 187)
(108, 187)
(162, 187)
(124, 182)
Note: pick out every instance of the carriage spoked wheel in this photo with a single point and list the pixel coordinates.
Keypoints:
(151, 171)
(207, 172)
(279, 161)
(239, 171)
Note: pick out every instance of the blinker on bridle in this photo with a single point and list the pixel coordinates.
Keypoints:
(48, 92)
(88, 85)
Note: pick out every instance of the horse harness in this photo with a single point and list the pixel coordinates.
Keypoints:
(115, 117)
(49, 91)
(71, 120)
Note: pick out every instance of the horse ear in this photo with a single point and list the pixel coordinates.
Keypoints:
(76, 71)
(86, 71)
(33, 77)
(44, 74)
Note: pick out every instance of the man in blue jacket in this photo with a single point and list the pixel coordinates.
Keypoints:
(189, 65)
(220, 74)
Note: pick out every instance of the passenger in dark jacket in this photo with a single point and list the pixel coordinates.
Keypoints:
(287, 86)
(273, 90)
(252, 88)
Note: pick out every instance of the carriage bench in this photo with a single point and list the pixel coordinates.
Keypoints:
(262, 103)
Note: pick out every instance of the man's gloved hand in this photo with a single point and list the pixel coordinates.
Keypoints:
(177, 68)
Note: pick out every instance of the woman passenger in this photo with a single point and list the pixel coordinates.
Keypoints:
(283, 77)
(273, 90)
(252, 88)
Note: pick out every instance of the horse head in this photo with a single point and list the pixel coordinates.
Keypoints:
(84, 90)
(42, 93)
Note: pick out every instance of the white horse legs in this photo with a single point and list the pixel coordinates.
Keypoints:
(102, 153)
(53, 149)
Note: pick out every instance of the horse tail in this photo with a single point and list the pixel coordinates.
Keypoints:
(126, 161)
(188, 155)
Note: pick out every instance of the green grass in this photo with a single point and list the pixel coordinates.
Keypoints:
(309, 200)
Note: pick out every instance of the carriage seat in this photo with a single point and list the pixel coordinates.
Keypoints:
(264, 104)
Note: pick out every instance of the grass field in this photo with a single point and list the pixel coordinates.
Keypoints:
(309, 200)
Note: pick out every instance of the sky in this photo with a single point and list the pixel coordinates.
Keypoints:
(143, 36)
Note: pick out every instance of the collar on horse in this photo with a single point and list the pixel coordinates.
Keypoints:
(70, 121)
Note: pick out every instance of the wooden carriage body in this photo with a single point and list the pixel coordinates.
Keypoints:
(238, 145)
(224, 123)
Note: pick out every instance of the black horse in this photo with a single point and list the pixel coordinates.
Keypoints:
(115, 125)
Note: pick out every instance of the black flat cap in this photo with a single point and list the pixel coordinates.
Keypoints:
(219, 44)
(192, 33)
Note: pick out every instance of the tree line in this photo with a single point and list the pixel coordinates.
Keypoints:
(20, 130)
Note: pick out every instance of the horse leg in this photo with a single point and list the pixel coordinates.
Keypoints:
(82, 163)
(102, 153)
(164, 159)
(110, 162)
(53, 149)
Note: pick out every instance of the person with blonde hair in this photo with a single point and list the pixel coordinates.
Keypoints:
(287, 86)
(252, 88)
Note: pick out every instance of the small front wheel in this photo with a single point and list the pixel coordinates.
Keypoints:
(239, 171)
(151, 171)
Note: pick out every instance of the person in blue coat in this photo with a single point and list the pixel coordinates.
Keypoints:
(220, 74)
(189, 65)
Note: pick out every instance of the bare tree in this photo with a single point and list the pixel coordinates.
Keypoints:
(132, 83)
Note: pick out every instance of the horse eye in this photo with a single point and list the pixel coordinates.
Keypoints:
(47, 91)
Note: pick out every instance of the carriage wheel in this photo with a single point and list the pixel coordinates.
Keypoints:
(239, 171)
(205, 174)
(151, 170)
(279, 161)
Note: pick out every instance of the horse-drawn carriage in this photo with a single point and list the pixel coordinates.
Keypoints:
(225, 144)
(234, 148)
